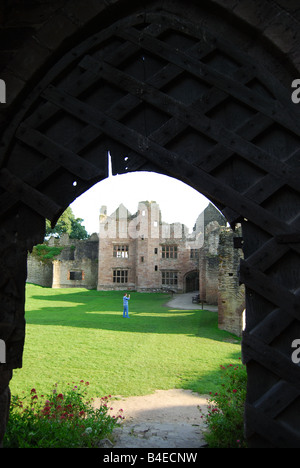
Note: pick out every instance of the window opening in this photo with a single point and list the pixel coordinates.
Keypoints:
(169, 278)
(169, 251)
(120, 276)
(121, 251)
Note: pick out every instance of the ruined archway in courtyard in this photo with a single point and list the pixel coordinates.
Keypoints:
(179, 91)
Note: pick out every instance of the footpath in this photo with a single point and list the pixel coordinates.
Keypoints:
(184, 301)
(165, 419)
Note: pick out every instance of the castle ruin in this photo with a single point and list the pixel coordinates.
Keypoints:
(140, 252)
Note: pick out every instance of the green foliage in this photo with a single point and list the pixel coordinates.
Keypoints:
(61, 419)
(225, 417)
(45, 252)
(67, 223)
(77, 230)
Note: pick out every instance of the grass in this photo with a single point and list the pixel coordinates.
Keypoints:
(77, 334)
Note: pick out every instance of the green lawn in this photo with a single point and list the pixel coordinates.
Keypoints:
(76, 334)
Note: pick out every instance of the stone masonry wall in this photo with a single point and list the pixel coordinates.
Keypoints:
(210, 265)
(86, 271)
(77, 264)
(145, 236)
(114, 233)
(231, 300)
(39, 272)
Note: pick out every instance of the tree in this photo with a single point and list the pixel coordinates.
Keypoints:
(67, 223)
(77, 230)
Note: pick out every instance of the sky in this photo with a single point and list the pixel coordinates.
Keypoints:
(178, 202)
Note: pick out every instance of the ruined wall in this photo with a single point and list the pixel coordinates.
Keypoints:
(113, 234)
(231, 297)
(39, 272)
(219, 276)
(142, 240)
(210, 266)
(75, 274)
(77, 264)
(211, 279)
(147, 244)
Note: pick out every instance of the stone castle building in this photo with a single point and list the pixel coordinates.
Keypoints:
(141, 252)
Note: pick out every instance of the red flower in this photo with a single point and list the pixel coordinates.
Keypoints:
(234, 390)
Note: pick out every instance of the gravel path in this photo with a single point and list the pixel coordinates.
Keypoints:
(184, 301)
(165, 419)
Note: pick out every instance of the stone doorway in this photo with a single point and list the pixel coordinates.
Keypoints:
(192, 281)
(187, 92)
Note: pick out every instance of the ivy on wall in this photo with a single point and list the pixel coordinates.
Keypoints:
(46, 253)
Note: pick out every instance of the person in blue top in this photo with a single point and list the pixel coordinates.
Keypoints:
(125, 305)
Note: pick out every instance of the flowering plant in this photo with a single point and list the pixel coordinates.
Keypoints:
(225, 416)
(60, 419)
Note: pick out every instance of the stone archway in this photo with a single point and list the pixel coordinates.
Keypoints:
(178, 91)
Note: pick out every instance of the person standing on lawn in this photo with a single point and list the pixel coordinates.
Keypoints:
(125, 305)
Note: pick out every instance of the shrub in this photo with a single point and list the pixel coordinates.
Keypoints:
(46, 253)
(225, 417)
(62, 419)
